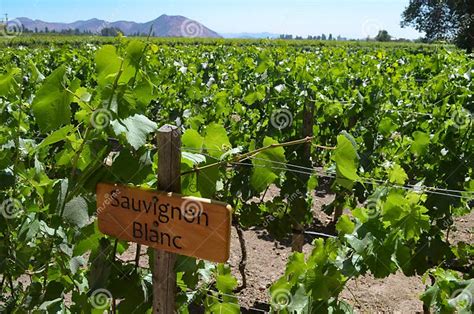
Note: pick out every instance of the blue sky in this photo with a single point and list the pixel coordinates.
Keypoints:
(349, 18)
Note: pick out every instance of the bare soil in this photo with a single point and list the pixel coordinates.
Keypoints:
(267, 260)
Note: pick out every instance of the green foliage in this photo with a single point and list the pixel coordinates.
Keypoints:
(442, 20)
(311, 285)
(399, 120)
(51, 105)
(135, 128)
(263, 175)
(346, 161)
(383, 36)
(450, 293)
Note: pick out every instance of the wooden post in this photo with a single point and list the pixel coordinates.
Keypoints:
(305, 160)
(169, 172)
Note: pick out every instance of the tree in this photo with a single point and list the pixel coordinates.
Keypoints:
(451, 20)
(110, 31)
(383, 36)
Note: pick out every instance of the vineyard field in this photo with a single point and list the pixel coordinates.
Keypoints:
(348, 167)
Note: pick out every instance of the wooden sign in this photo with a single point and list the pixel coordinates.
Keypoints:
(184, 225)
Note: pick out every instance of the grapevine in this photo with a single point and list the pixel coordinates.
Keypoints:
(387, 128)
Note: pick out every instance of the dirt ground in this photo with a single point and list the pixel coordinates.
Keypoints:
(266, 263)
(267, 260)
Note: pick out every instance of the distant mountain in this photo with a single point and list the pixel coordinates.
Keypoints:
(251, 35)
(164, 26)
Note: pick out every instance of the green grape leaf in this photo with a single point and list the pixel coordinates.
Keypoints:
(253, 97)
(420, 143)
(406, 214)
(130, 167)
(386, 126)
(216, 140)
(313, 183)
(346, 162)
(415, 222)
(192, 139)
(207, 181)
(226, 283)
(193, 159)
(429, 296)
(134, 52)
(296, 264)
(9, 83)
(397, 175)
(107, 64)
(227, 308)
(75, 211)
(56, 136)
(52, 306)
(344, 225)
(136, 129)
(88, 240)
(51, 105)
(393, 207)
(58, 197)
(299, 301)
(263, 173)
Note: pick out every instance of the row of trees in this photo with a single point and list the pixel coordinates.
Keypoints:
(383, 36)
(310, 37)
(46, 30)
(107, 31)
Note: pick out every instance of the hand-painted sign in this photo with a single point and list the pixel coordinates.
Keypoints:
(184, 225)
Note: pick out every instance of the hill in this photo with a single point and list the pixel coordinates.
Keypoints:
(163, 26)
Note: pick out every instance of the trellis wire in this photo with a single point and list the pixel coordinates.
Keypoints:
(332, 174)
